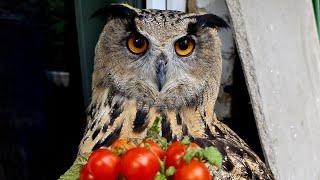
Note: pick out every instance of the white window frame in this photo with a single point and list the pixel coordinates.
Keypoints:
(179, 5)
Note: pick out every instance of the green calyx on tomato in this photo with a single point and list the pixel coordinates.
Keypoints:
(121, 146)
(176, 152)
(154, 134)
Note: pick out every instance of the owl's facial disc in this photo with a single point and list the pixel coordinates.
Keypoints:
(154, 56)
(183, 47)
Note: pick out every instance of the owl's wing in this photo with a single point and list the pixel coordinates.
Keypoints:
(239, 161)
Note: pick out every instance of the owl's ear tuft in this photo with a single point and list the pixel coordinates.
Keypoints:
(122, 11)
(211, 20)
(206, 20)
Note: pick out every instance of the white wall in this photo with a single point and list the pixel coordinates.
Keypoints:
(280, 52)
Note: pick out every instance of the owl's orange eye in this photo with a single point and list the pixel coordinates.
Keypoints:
(137, 44)
(184, 46)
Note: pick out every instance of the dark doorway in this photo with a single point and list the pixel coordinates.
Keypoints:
(41, 103)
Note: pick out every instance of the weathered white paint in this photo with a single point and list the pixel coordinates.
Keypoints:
(156, 4)
(219, 7)
(179, 5)
(279, 48)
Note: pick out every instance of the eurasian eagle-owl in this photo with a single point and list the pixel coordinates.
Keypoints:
(151, 63)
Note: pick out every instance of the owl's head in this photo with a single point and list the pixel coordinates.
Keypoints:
(166, 59)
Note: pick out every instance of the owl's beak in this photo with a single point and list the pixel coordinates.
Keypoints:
(161, 73)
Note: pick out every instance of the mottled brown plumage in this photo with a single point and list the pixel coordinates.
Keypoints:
(127, 96)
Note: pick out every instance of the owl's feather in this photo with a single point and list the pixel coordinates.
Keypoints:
(127, 95)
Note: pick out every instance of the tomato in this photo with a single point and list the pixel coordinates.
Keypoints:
(103, 164)
(154, 147)
(139, 163)
(174, 154)
(193, 145)
(85, 174)
(195, 170)
(121, 143)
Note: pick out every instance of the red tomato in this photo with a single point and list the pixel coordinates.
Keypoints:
(139, 163)
(155, 148)
(195, 170)
(121, 143)
(103, 164)
(85, 174)
(174, 154)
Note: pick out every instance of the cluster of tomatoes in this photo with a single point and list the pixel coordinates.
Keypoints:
(147, 161)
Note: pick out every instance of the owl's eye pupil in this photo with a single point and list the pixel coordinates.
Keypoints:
(183, 44)
(138, 42)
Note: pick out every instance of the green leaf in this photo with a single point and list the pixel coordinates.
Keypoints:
(160, 176)
(163, 143)
(213, 156)
(191, 153)
(170, 171)
(185, 140)
(73, 173)
(154, 131)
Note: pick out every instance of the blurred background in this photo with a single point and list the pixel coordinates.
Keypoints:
(46, 58)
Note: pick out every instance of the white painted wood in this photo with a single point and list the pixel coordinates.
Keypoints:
(280, 53)
(156, 4)
(179, 5)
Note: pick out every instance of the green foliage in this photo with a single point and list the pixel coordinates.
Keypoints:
(170, 171)
(163, 143)
(213, 156)
(160, 176)
(193, 152)
(154, 131)
(186, 140)
(73, 173)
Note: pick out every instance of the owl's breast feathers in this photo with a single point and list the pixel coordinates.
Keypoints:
(113, 116)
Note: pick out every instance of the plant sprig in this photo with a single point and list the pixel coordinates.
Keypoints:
(210, 154)
(74, 171)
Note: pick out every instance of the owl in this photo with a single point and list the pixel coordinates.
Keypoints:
(161, 63)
